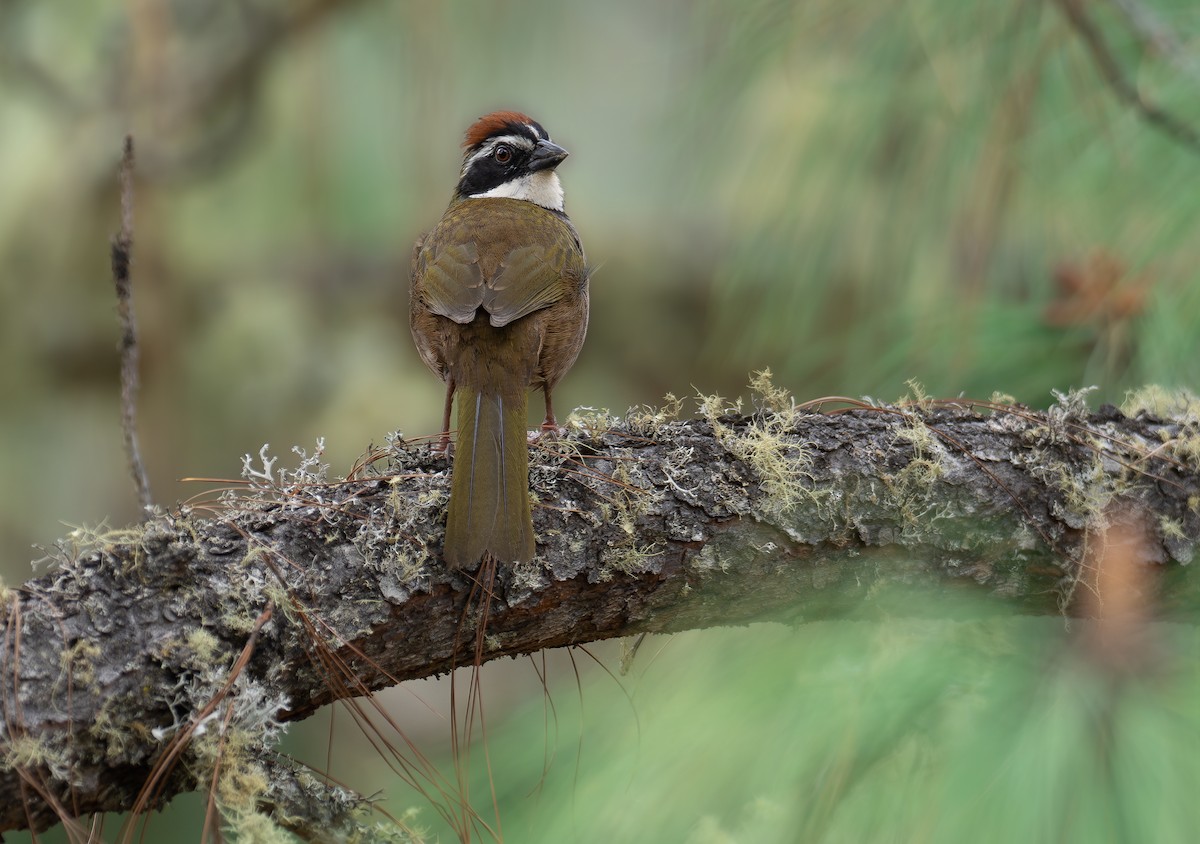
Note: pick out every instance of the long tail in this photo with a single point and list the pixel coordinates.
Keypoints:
(489, 492)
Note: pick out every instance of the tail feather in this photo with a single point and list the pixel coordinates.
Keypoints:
(489, 492)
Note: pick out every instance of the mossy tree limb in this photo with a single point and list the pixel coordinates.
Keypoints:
(645, 525)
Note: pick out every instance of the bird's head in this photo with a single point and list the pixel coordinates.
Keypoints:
(508, 154)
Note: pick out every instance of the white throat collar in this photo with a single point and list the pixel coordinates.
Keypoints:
(541, 188)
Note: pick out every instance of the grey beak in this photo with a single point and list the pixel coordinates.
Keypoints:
(546, 156)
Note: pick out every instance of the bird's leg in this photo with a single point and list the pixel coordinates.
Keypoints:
(549, 424)
(443, 444)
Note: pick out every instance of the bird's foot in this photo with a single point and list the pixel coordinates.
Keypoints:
(549, 430)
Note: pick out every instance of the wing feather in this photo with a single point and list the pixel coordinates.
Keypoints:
(452, 283)
(530, 279)
(521, 259)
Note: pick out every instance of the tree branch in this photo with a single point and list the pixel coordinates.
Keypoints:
(121, 251)
(143, 636)
(1125, 90)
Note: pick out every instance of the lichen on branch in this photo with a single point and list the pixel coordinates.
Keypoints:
(226, 619)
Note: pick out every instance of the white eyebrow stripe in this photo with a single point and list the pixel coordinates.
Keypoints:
(514, 140)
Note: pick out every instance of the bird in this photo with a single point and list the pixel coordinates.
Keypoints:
(498, 306)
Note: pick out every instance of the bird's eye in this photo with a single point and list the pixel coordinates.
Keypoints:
(503, 154)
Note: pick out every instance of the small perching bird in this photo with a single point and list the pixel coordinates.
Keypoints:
(499, 305)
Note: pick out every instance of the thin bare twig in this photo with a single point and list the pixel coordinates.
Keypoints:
(1158, 36)
(122, 257)
(1125, 90)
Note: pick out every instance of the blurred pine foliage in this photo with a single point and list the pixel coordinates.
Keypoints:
(994, 730)
(950, 190)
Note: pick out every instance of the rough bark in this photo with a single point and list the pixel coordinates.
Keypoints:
(644, 525)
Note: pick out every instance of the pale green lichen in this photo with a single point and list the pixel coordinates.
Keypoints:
(85, 539)
(204, 645)
(1172, 528)
(78, 662)
(925, 467)
(712, 407)
(229, 742)
(391, 541)
(24, 752)
(116, 738)
(628, 559)
(1086, 491)
(917, 396)
(254, 828)
(240, 782)
(908, 492)
(767, 443)
(1072, 404)
(768, 397)
(1179, 406)
(631, 499)
(591, 421)
(649, 421)
(310, 470)
(1165, 403)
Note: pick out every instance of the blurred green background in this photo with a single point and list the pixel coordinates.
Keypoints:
(853, 194)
